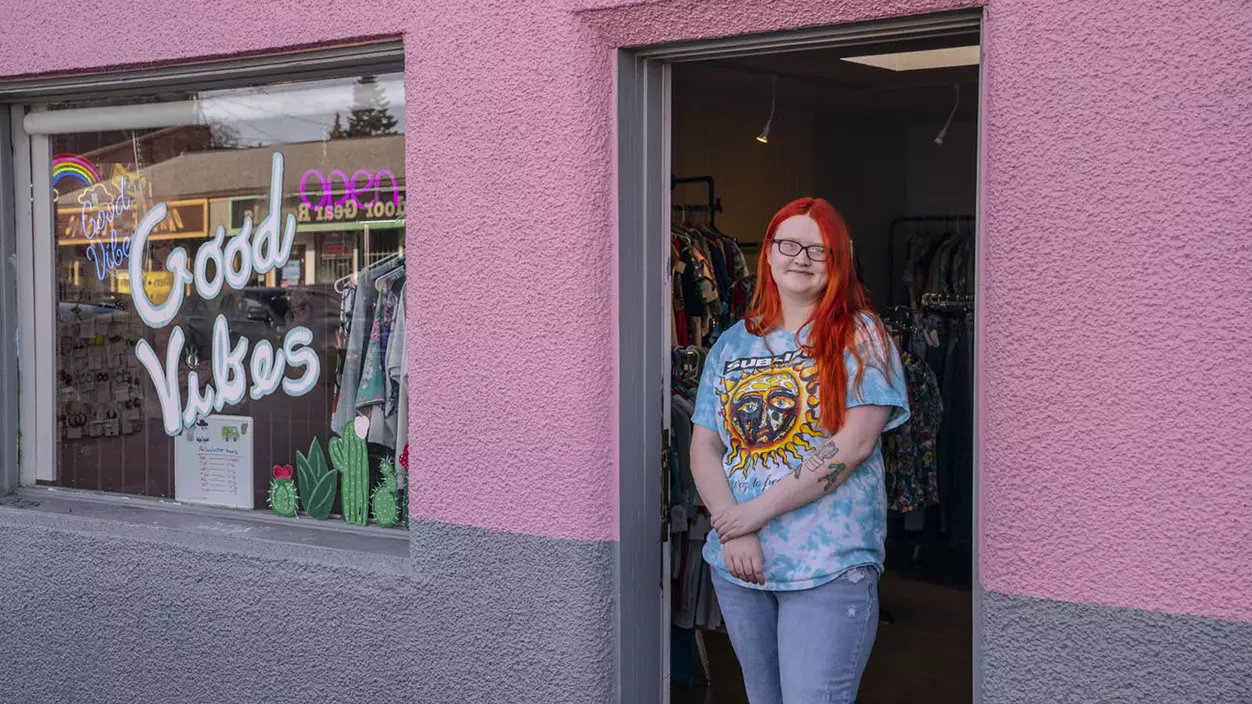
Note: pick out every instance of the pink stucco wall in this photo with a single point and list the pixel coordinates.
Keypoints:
(1115, 284)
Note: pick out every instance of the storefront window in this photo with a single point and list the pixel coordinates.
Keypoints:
(230, 283)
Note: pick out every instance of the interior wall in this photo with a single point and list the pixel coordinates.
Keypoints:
(754, 180)
(942, 179)
(861, 170)
(876, 168)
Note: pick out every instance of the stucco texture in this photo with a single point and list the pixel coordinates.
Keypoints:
(117, 613)
(1037, 651)
(1115, 391)
(1116, 387)
(517, 618)
(1114, 269)
(122, 612)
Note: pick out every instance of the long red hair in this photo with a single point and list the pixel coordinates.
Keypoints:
(838, 323)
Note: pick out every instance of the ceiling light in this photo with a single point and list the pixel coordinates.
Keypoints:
(920, 60)
(763, 137)
(944, 132)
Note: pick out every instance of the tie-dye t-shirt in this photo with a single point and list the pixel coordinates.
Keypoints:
(760, 394)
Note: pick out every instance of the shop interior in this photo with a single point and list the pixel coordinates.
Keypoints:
(887, 133)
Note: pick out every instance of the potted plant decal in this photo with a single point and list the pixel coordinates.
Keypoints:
(317, 482)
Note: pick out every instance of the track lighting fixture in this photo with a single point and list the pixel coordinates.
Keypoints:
(763, 138)
(944, 132)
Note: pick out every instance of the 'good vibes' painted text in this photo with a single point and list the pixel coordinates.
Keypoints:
(251, 252)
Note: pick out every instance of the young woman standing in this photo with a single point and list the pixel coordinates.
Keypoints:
(787, 459)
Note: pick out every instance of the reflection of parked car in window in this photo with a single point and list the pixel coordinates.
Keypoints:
(80, 312)
(262, 313)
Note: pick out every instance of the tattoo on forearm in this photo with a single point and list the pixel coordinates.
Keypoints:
(835, 478)
(823, 455)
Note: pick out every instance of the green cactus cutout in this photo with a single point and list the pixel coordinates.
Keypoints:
(283, 496)
(351, 459)
(318, 484)
(384, 499)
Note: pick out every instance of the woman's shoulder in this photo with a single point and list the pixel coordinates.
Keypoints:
(868, 326)
(867, 320)
(730, 339)
(737, 330)
(732, 335)
(870, 335)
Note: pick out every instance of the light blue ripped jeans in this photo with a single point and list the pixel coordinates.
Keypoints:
(803, 647)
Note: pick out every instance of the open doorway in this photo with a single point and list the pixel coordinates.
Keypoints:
(886, 130)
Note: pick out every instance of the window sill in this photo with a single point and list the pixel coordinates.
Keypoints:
(252, 532)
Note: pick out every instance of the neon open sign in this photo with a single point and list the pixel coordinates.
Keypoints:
(363, 182)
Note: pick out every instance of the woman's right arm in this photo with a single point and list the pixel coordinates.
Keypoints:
(743, 555)
(707, 451)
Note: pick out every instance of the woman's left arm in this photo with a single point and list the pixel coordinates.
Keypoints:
(824, 470)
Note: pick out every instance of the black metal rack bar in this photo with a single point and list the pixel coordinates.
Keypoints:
(714, 204)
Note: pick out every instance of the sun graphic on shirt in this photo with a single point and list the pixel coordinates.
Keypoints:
(770, 414)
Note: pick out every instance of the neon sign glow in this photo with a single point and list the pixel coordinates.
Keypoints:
(73, 166)
(99, 219)
(251, 252)
(351, 190)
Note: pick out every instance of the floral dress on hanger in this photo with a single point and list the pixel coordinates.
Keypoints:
(912, 467)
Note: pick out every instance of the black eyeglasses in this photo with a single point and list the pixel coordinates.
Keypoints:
(791, 248)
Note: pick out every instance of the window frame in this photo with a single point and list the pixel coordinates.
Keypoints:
(28, 431)
(9, 398)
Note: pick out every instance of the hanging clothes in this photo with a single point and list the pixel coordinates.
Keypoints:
(711, 284)
(374, 395)
(347, 300)
(938, 260)
(359, 333)
(711, 291)
(909, 451)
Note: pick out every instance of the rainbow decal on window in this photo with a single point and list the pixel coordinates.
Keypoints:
(73, 166)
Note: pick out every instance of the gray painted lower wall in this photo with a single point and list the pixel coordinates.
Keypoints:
(104, 611)
(518, 618)
(1037, 651)
(137, 607)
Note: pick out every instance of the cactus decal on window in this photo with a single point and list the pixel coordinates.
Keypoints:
(385, 500)
(283, 495)
(318, 484)
(351, 459)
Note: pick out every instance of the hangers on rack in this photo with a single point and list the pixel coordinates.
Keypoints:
(688, 362)
(947, 303)
(907, 227)
(390, 277)
(352, 277)
(713, 204)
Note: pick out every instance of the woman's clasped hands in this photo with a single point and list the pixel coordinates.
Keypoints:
(736, 527)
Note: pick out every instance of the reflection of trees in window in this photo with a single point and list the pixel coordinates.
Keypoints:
(371, 113)
(223, 136)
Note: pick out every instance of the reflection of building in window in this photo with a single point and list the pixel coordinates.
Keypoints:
(348, 196)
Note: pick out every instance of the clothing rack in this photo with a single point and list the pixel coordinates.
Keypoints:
(932, 219)
(903, 226)
(712, 206)
(947, 303)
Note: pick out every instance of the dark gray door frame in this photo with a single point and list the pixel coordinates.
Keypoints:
(643, 111)
(642, 221)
